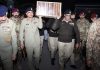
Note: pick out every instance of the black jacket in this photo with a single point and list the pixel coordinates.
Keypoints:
(52, 33)
(66, 31)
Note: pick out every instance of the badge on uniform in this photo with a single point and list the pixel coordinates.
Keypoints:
(27, 24)
(71, 24)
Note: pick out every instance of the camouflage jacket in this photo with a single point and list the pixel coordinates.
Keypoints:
(17, 21)
(93, 42)
(83, 26)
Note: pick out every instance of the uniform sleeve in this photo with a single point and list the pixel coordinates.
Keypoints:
(77, 34)
(77, 22)
(21, 32)
(90, 39)
(18, 25)
(40, 24)
(87, 27)
(14, 39)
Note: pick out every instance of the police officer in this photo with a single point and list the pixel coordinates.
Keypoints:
(93, 46)
(66, 31)
(29, 33)
(8, 40)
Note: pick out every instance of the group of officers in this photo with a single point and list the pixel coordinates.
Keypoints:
(66, 35)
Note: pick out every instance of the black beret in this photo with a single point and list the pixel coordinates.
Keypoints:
(67, 12)
(29, 9)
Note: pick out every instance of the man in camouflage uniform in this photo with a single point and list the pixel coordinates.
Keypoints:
(29, 33)
(8, 40)
(83, 26)
(93, 46)
(16, 18)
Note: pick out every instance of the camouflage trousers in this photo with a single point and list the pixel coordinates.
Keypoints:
(96, 54)
(83, 49)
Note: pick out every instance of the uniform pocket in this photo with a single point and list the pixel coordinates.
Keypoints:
(7, 38)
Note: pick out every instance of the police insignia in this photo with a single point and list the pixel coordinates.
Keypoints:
(71, 24)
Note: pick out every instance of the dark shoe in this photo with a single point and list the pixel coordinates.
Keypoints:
(53, 61)
(37, 68)
(73, 66)
(62, 68)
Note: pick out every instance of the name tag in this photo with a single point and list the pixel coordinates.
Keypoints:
(27, 24)
(71, 24)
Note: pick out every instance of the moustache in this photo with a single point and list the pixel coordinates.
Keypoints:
(16, 16)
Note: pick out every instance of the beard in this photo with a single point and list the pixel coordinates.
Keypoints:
(16, 16)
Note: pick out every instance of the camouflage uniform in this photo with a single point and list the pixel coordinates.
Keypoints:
(93, 45)
(20, 53)
(83, 26)
(17, 21)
